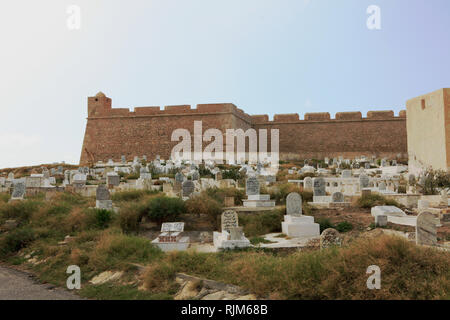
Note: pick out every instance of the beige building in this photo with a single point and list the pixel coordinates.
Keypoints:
(428, 130)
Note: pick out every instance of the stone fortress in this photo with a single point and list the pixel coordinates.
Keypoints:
(113, 132)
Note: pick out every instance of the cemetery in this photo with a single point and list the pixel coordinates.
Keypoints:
(135, 217)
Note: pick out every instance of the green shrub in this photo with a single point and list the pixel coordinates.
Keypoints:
(16, 240)
(219, 194)
(372, 200)
(163, 208)
(132, 195)
(130, 217)
(261, 223)
(4, 197)
(19, 210)
(203, 204)
(344, 226)
(101, 217)
(324, 224)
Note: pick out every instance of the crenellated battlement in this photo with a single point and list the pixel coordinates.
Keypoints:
(110, 130)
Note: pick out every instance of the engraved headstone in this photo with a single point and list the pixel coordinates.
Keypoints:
(102, 193)
(426, 229)
(329, 238)
(337, 197)
(307, 184)
(236, 233)
(346, 174)
(112, 179)
(179, 177)
(229, 219)
(294, 204)
(363, 181)
(18, 191)
(188, 188)
(319, 187)
(172, 227)
(252, 186)
(195, 175)
(367, 165)
(382, 186)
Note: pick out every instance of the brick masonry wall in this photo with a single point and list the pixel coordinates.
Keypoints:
(111, 133)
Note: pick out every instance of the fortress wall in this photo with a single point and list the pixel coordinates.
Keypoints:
(348, 135)
(112, 132)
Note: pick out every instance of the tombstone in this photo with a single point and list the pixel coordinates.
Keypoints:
(293, 204)
(383, 163)
(394, 163)
(252, 186)
(229, 219)
(60, 170)
(188, 188)
(170, 238)
(346, 174)
(426, 229)
(112, 179)
(382, 186)
(123, 159)
(307, 184)
(10, 176)
(110, 162)
(411, 179)
(367, 165)
(232, 235)
(236, 233)
(195, 175)
(326, 160)
(330, 238)
(18, 191)
(79, 180)
(103, 198)
(337, 197)
(319, 187)
(423, 204)
(363, 181)
(179, 177)
(381, 220)
(46, 173)
(218, 176)
(145, 174)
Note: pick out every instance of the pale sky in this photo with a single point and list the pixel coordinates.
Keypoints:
(265, 56)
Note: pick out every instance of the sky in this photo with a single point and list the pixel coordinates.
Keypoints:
(265, 56)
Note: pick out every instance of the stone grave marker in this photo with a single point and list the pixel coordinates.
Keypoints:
(330, 237)
(293, 204)
(307, 184)
(18, 191)
(337, 197)
(363, 181)
(252, 186)
(229, 220)
(426, 229)
(188, 188)
(319, 187)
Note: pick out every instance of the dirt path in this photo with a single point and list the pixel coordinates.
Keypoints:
(18, 285)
